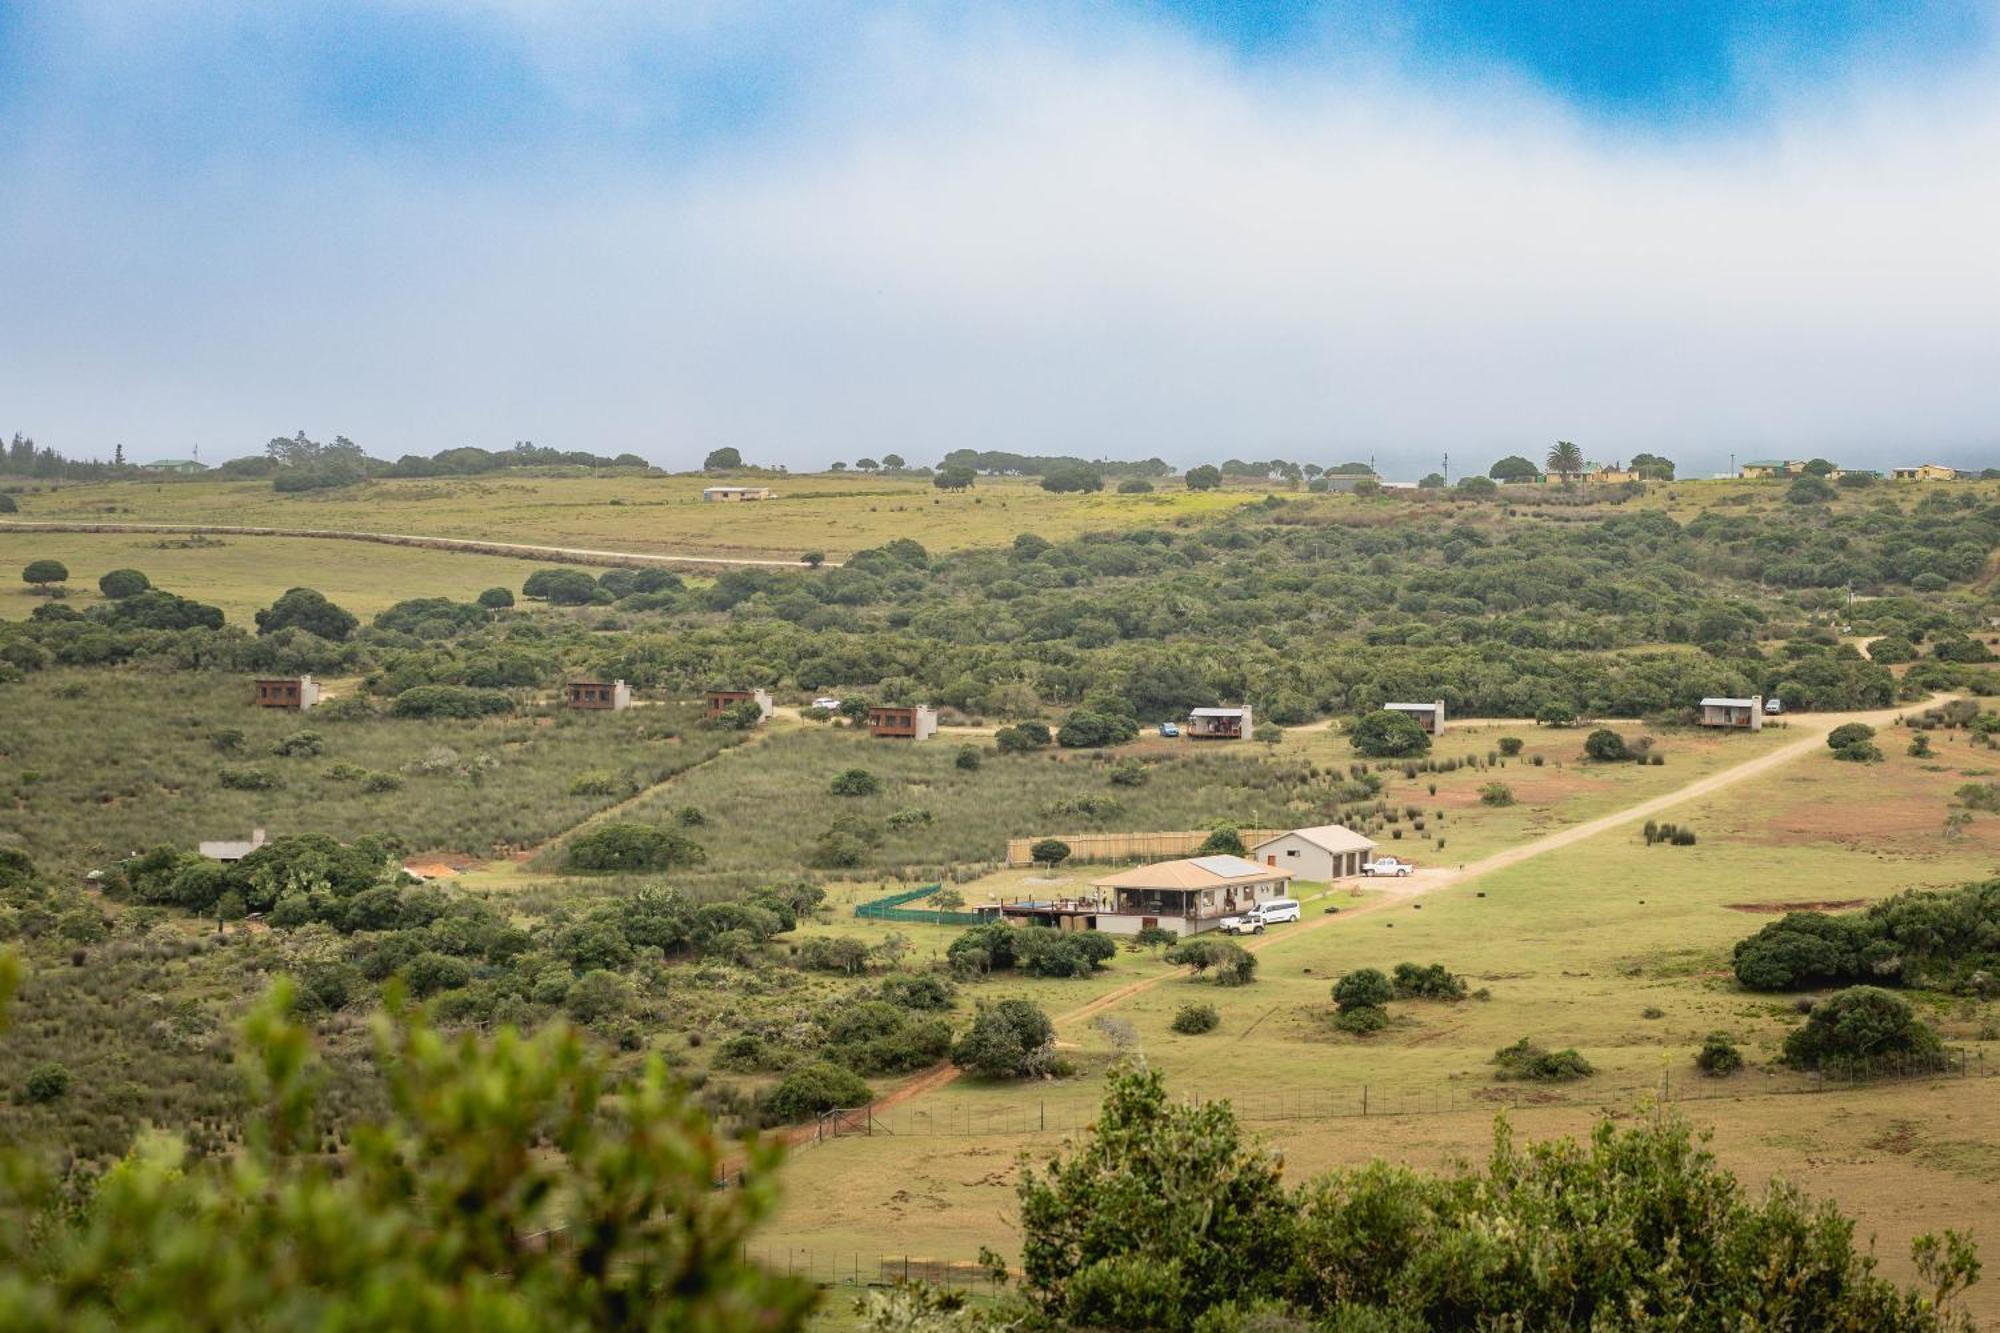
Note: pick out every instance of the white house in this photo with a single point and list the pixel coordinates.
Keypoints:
(1220, 724)
(1323, 852)
(1733, 714)
(1429, 716)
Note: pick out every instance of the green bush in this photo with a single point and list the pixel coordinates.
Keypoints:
(855, 782)
(1510, 746)
(1849, 733)
(878, 1037)
(1861, 1026)
(968, 758)
(1385, 734)
(1194, 1019)
(917, 990)
(300, 743)
(1527, 1060)
(42, 573)
(631, 849)
(1224, 841)
(1128, 772)
(1718, 1056)
(46, 1083)
(1225, 962)
(309, 610)
(1049, 852)
(1434, 982)
(1363, 988)
(1860, 752)
(239, 778)
(1361, 1019)
(120, 583)
(1011, 1039)
(814, 1089)
(1496, 794)
(1081, 730)
(1606, 747)
(497, 599)
(457, 701)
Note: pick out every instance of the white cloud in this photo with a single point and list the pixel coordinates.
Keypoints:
(1046, 237)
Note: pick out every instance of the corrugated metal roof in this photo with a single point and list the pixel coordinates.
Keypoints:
(1326, 837)
(1728, 703)
(1201, 872)
(1217, 712)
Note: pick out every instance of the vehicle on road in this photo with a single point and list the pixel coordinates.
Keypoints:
(828, 702)
(1774, 705)
(1169, 730)
(1387, 865)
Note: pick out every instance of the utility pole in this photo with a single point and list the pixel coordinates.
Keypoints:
(1447, 467)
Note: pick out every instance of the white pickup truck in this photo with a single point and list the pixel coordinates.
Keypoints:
(1274, 912)
(1387, 865)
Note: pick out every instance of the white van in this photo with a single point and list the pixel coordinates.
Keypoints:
(1275, 911)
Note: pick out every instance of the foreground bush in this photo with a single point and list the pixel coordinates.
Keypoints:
(1944, 938)
(1167, 1217)
(434, 1218)
(1194, 1019)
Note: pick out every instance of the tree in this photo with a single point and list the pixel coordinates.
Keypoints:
(1011, 1039)
(1513, 468)
(1363, 988)
(1809, 491)
(1225, 962)
(1206, 477)
(8, 505)
(813, 559)
(1432, 481)
(561, 587)
(1223, 840)
(722, 460)
(1606, 746)
(1049, 852)
(42, 573)
(496, 599)
(632, 849)
(1818, 467)
(1072, 477)
(867, 464)
(954, 478)
(1653, 467)
(120, 583)
(1478, 487)
(1864, 1025)
(309, 610)
(1566, 460)
(894, 461)
(430, 1202)
(1387, 734)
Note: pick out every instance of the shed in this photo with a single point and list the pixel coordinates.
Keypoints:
(598, 694)
(1220, 724)
(1733, 714)
(916, 722)
(227, 850)
(1429, 716)
(297, 692)
(720, 700)
(1926, 472)
(1186, 896)
(713, 494)
(1764, 469)
(1323, 852)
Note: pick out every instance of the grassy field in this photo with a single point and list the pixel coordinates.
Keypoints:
(836, 514)
(1581, 947)
(242, 575)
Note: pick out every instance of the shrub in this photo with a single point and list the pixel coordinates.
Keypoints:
(821, 953)
(1891, 650)
(1510, 746)
(836, 850)
(1496, 794)
(631, 849)
(428, 973)
(247, 779)
(307, 743)
(1049, 852)
(876, 1037)
(1718, 1056)
(497, 599)
(1849, 733)
(596, 996)
(1011, 1039)
(1224, 841)
(122, 583)
(47, 1083)
(917, 990)
(1527, 1060)
(1041, 952)
(1363, 988)
(1089, 731)
(309, 610)
(594, 784)
(1861, 752)
(1194, 1019)
(381, 782)
(1361, 1019)
(855, 782)
(1555, 714)
(1384, 734)
(1435, 982)
(814, 1089)
(1023, 737)
(1862, 1025)
(1128, 772)
(1135, 486)
(42, 573)
(1225, 962)
(968, 758)
(454, 701)
(1606, 746)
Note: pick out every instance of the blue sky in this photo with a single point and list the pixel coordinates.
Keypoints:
(819, 230)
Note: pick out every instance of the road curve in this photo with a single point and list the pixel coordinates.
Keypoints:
(570, 555)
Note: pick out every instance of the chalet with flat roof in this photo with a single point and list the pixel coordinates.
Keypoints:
(733, 494)
(1926, 472)
(294, 692)
(1324, 852)
(1733, 714)
(598, 694)
(916, 722)
(721, 700)
(1769, 469)
(1220, 724)
(1429, 716)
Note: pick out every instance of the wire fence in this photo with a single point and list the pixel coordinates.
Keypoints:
(857, 1268)
(891, 908)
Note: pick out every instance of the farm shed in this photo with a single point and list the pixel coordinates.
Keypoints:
(228, 850)
(721, 700)
(298, 692)
(1733, 714)
(1186, 897)
(1220, 724)
(613, 694)
(1323, 852)
(917, 722)
(1429, 716)
(713, 494)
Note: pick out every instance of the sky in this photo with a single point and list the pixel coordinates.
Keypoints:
(1191, 229)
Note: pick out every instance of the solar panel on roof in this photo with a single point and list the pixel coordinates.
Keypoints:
(1226, 866)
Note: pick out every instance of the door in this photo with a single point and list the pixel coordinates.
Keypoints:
(1270, 858)
(1149, 923)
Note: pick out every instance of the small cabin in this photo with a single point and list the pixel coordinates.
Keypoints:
(917, 722)
(1926, 472)
(732, 494)
(1429, 716)
(1733, 714)
(720, 701)
(229, 850)
(294, 692)
(612, 694)
(1323, 853)
(1220, 724)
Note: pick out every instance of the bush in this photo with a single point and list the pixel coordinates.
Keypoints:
(377, 783)
(1361, 1019)
(822, 953)
(1892, 650)
(1011, 1039)
(428, 973)
(855, 782)
(1135, 486)
(1225, 962)
(877, 1037)
(814, 1089)
(1849, 733)
(1384, 734)
(42, 573)
(247, 779)
(1049, 852)
(1496, 794)
(1555, 714)
(1718, 1056)
(309, 610)
(1510, 746)
(596, 996)
(1224, 841)
(1363, 988)
(631, 849)
(306, 743)
(1023, 737)
(455, 701)
(917, 990)
(1128, 772)
(1042, 952)
(968, 758)
(46, 1083)
(1606, 746)
(1862, 1025)
(1527, 1060)
(122, 583)
(1861, 752)
(562, 587)
(1194, 1019)
(1435, 982)
(1088, 731)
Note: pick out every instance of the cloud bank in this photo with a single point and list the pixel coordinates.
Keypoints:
(923, 232)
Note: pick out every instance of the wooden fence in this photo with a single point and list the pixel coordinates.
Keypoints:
(1129, 846)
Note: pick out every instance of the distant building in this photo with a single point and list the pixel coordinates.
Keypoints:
(1220, 724)
(598, 694)
(1926, 472)
(712, 494)
(1323, 852)
(1342, 483)
(182, 466)
(721, 700)
(917, 722)
(1597, 476)
(297, 692)
(1767, 469)
(1186, 897)
(233, 851)
(1733, 714)
(1429, 716)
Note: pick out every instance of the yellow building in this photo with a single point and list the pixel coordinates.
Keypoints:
(1764, 469)
(1926, 472)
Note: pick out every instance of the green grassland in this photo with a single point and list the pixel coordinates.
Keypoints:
(242, 575)
(836, 514)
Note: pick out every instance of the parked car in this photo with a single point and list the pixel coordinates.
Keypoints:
(1774, 705)
(828, 702)
(1273, 912)
(1387, 865)
(1169, 730)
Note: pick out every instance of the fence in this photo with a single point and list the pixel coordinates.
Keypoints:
(1128, 846)
(891, 909)
(854, 1268)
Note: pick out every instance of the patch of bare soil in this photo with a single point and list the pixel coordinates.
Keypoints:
(1804, 905)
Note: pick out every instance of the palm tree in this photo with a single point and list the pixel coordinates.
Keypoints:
(1566, 459)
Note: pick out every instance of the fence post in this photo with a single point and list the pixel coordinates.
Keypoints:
(1364, 1099)
(1045, 1113)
